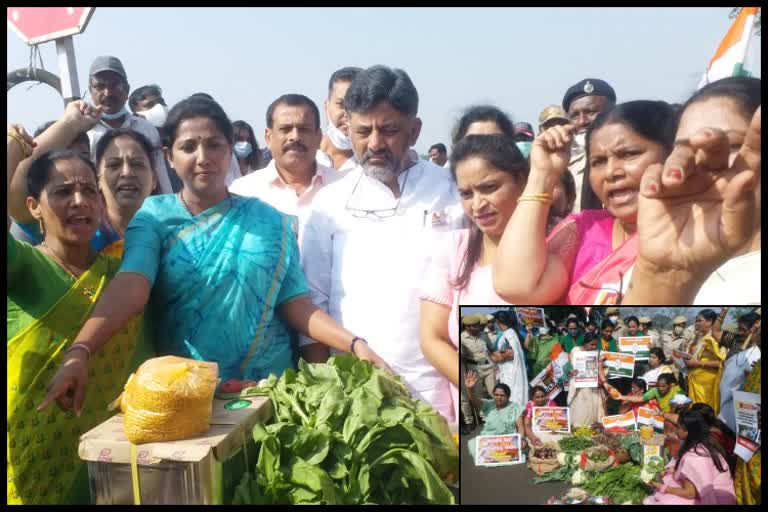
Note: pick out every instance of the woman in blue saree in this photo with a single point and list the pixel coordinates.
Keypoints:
(219, 273)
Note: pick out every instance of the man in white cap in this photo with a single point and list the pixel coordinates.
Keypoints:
(108, 86)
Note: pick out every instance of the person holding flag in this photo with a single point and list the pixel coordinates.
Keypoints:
(587, 404)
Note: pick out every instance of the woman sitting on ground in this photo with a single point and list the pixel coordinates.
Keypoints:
(699, 474)
(538, 399)
(657, 365)
(501, 416)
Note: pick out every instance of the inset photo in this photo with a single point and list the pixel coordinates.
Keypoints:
(609, 405)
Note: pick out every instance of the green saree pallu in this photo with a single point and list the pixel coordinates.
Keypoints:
(42, 447)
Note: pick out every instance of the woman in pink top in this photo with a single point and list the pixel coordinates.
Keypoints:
(699, 475)
(586, 257)
(490, 173)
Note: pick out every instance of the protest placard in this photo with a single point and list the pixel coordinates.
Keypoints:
(679, 358)
(551, 419)
(585, 363)
(546, 380)
(531, 316)
(619, 364)
(498, 450)
(748, 424)
(626, 421)
(639, 346)
(645, 416)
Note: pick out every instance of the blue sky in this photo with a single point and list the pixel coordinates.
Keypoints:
(520, 59)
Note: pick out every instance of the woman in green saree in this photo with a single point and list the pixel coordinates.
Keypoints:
(51, 291)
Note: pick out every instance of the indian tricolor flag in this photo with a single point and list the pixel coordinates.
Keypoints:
(559, 358)
(730, 56)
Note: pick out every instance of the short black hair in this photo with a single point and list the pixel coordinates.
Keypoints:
(143, 92)
(378, 84)
(590, 336)
(631, 318)
(197, 106)
(506, 317)
(504, 388)
(439, 146)
(293, 100)
(482, 113)
(346, 74)
(80, 138)
(40, 171)
(536, 388)
(637, 381)
(606, 323)
(708, 314)
(202, 95)
(669, 378)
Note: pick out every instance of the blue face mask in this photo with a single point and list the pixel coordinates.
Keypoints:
(243, 149)
(524, 147)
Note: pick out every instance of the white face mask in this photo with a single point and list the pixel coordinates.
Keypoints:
(543, 331)
(156, 115)
(613, 319)
(678, 329)
(120, 113)
(337, 137)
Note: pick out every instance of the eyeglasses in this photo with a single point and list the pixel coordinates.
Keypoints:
(385, 213)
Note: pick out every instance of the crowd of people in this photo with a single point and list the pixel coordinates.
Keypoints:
(695, 399)
(167, 231)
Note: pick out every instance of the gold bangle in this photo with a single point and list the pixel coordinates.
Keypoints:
(26, 148)
(546, 200)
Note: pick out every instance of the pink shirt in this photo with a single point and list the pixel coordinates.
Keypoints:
(528, 413)
(442, 270)
(714, 487)
(267, 185)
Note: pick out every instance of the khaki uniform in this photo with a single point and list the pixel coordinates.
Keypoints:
(474, 352)
(670, 342)
(655, 336)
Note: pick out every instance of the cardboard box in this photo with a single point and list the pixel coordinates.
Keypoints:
(199, 470)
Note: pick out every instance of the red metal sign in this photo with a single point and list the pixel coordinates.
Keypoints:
(35, 25)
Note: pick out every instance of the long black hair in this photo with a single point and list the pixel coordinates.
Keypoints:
(501, 152)
(253, 160)
(696, 423)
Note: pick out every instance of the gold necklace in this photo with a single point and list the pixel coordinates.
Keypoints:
(58, 260)
(186, 206)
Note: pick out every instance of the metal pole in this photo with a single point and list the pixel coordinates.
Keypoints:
(65, 53)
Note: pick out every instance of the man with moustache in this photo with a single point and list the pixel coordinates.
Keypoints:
(292, 178)
(583, 102)
(367, 241)
(108, 86)
(336, 148)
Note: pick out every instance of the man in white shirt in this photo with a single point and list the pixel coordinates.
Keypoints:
(368, 237)
(292, 178)
(108, 86)
(438, 154)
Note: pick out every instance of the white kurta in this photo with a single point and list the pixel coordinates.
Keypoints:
(366, 271)
(513, 373)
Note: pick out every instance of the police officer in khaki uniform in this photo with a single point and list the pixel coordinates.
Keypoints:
(619, 329)
(676, 339)
(646, 326)
(475, 350)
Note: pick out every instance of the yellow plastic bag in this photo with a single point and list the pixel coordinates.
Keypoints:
(168, 398)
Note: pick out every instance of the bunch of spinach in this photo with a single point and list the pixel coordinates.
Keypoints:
(345, 432)
(622, 484)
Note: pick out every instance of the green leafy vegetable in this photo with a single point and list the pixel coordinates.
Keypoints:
(621, 484)
(346, 433)
(575, 443)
